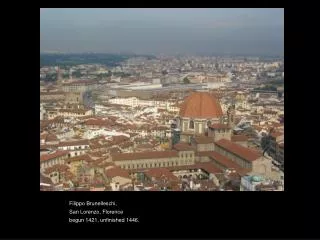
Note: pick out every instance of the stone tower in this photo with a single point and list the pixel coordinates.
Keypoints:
(231, 114)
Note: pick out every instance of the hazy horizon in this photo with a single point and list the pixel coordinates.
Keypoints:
(166, 31)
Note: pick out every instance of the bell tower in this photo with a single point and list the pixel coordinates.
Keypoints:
(231, 114)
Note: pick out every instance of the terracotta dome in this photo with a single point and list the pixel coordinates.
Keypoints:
(201, 105)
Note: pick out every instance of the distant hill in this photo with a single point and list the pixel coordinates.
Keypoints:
(65, 59)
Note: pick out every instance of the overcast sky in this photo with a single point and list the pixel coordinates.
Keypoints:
(169, 31)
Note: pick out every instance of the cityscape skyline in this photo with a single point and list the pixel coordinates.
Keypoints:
(204, 113)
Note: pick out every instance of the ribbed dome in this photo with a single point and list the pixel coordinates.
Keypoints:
(201, 105)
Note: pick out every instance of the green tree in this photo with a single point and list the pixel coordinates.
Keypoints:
(186, 80)
(65, 75)
(51, 78)
(77, 74)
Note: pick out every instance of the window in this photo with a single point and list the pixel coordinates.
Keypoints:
(191, 124)
(209, 123)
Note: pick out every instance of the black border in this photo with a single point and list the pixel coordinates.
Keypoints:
(175, 214)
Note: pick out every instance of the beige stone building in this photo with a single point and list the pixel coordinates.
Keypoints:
(75, 148)
(205, 137)
(55, 96)
(74, 112)
(144, 160)
(49, 160)
(80, 86)
(74, 98)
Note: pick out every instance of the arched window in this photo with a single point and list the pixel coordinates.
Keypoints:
(191, 124)
(209, 123)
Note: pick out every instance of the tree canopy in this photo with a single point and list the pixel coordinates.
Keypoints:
(186, 80)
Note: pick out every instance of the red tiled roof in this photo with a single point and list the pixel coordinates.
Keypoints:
(74, 143)
(243, 152)
(219, 126)
(56, 168)
(226, 162)
(208, 167)
(239, 138)
(96, 154)
(117, 171)
(203, 140)
(98, 122)
(51, 137)
(201, 105)
(114, 150)
(183, 147)
(84, 157)
(203, 153)
(126, 144)
(144, 155)
(44, 179)
(161, 173)
(48, 146)
(56, 154)
(119, 139)
(94, 146)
